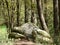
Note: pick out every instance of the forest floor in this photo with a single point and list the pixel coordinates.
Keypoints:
(24, 42)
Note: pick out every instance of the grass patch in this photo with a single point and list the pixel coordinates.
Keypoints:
(4, 36)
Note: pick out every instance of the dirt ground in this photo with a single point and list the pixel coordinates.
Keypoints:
(23, 42)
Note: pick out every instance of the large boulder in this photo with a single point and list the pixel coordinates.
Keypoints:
(32, 31)
(26, 28)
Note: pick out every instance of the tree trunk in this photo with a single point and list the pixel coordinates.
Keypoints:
(32, 11)
(45, 11)
(12, 13)
(59, 12)
(56, 22)
(26, 12)
(41, 17)
(9, 24)
(18, 15)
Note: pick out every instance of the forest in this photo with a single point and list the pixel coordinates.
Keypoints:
(29, 22)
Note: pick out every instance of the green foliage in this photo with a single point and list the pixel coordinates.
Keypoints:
(4, 36)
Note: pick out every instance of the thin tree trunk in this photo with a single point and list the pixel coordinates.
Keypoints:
(41, 17)
(26, 12)
(45, 11)
(12, 14)
(18, 15)
(42, 3)
(32, 11)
